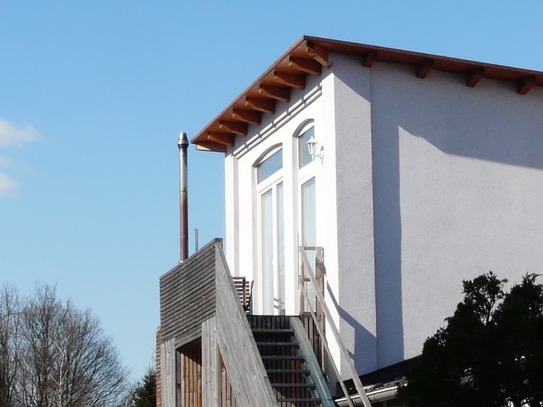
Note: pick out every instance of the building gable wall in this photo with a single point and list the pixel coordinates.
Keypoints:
(457, 172)
(424, 183)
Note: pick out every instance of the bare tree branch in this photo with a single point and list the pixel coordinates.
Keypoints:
(55, 355)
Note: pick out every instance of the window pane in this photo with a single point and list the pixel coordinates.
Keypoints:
(304, 157)
(266, 209)
(309, 232)
(280, 294)
(269, 166)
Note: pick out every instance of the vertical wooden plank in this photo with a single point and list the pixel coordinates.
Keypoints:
(190, 373)
(168, 378)
(224, 385)
(210, 373)
(200, 395)
(179, 376)
(187, 383)
(186, 388)
(158, 370)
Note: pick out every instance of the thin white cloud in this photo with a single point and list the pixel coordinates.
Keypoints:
(8, 186)
(14, 135)
(6, 162)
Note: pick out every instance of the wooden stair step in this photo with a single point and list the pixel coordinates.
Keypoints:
(272, 331)
(293, 344)
(298, 400)
(294, 385)
(282, 357)
(288, 371)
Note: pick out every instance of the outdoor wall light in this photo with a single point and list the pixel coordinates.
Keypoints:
(315, 149)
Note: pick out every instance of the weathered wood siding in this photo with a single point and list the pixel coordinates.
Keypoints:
(210, 360)
(187, 296)
(218, 390)
(158, 369)
(227, 394)
(189, 372)
(168, 373)
(246, 373)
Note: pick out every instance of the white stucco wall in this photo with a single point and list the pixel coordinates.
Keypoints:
(347, 240)
(355, 244)
(424, 183)
(457, 174)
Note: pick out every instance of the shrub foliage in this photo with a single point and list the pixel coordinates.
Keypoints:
(489, 354)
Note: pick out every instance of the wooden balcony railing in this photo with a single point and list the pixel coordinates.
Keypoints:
(313, 301)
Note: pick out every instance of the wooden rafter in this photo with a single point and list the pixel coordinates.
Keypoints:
(318, 53)
(310, 54)
(238, 128)
(525, 84)
(224, 139)
(248, 116)
(424, 68)
(474, 76)
(369, 59)
(260, 104)
(275, 92)
(290, 79)
(306, 65)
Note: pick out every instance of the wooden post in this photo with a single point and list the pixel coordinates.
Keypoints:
(320, 271)
(301, 282)
(167, 355)
(210, 365)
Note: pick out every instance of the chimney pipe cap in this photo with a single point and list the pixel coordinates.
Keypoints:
(182, 141)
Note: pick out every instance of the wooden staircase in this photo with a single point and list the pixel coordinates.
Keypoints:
(285, 363)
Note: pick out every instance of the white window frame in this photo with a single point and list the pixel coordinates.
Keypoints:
(304, 174)
(271, 183)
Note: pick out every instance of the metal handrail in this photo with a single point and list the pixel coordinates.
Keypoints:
(307, 269)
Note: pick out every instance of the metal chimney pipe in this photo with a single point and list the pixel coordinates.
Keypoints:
(183, 144)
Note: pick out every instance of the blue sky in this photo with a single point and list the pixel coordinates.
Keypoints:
(94, 93)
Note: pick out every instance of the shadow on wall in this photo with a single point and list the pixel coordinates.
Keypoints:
(363, 339)
(388, 247)
(490, 122)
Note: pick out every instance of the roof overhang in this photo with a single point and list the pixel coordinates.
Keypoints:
(309, 56)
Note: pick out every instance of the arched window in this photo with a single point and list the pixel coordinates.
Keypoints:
(271, 231)
(269, 164)
(305, 133)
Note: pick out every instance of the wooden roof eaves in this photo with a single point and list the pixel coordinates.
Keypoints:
(440, 63)
(252, 90)
(317, 49)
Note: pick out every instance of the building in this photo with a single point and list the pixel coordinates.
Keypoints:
(423, 171)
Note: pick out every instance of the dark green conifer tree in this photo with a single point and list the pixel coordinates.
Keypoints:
(489, 354)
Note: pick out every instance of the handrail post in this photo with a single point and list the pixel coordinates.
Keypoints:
(301, 288)
(320, 271)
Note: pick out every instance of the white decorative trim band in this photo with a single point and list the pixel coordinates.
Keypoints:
(278, 122)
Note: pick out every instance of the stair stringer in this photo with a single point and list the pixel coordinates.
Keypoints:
(230, 334)
(321, 386)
